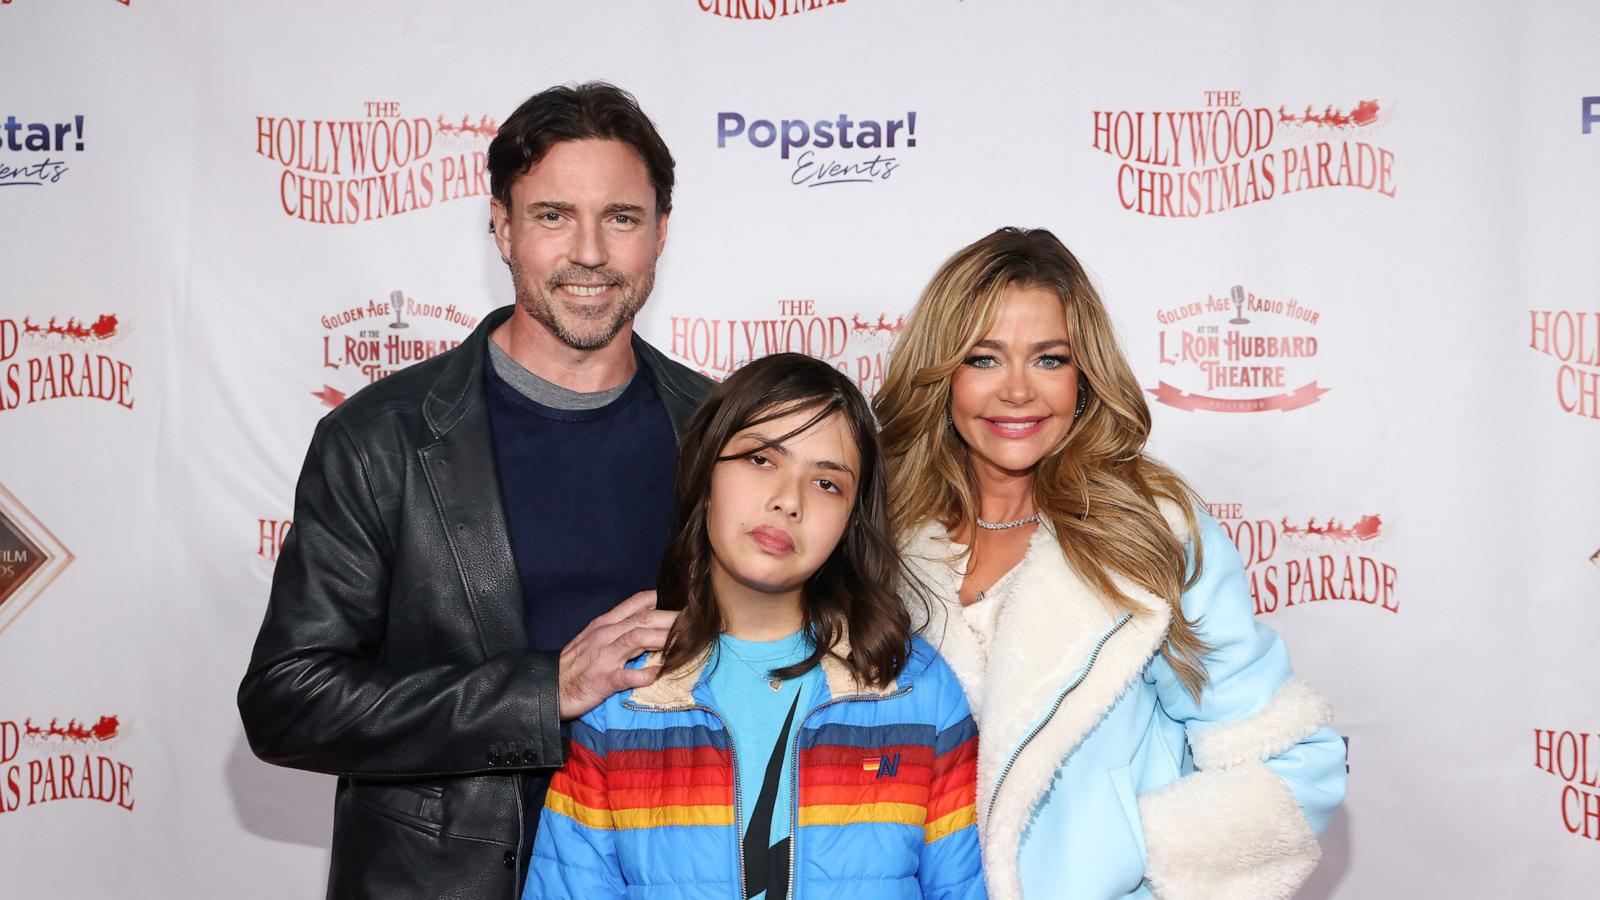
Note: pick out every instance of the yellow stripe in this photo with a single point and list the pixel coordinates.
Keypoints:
(851, 813)
(587, 816)
(949, 823)
(663, 816)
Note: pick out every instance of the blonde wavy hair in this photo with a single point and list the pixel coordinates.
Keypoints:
(1097, 487)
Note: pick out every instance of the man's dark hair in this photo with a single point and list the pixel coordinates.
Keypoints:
(593, 110)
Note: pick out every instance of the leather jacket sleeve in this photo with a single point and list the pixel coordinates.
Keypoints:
(324, 690)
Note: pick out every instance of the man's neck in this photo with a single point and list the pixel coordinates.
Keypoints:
(536, 349)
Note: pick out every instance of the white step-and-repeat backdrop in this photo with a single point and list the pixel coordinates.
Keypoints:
(1350, 248)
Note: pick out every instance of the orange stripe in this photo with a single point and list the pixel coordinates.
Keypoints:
(887, 791)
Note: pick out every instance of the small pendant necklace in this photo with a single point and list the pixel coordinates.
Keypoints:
(772, 681)
(986, 525)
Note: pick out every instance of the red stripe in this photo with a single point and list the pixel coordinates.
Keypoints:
(673, 757)
(710, 795)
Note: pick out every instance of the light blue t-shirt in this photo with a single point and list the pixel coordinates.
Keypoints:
(763, 723)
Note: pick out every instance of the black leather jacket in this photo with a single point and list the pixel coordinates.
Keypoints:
(393, 652)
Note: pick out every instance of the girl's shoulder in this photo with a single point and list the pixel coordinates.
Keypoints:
(925, 665)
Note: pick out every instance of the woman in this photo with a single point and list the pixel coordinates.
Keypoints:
(1142, 734)
(799, 742)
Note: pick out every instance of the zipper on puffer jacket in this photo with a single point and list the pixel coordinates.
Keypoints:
(794, 775)
(1055, 706)
(733, 755)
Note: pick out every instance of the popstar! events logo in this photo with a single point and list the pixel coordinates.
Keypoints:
(1254, 360)
(1292, 562)
(24, 141)
(1565, 754)
(48, 763)
(368, 341)
(1574, 339)
(341, 172)
(823, 152)
(48, 359)
(30, 558)
(856, 346)
(761, 10)
(1190, 163)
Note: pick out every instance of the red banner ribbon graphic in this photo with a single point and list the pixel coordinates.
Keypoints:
(1301, 396)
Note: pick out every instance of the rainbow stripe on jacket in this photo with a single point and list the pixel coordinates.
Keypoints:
(884, 791)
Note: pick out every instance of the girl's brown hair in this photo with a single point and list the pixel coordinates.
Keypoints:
(1097, 487)
(854, 592)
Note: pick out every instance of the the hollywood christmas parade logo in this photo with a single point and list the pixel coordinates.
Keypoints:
(763, 10)
(383, 163)
(380, 335)
(855, 343)
(1227, 153)
(1238, 351)
(1573, 756)
(1292, 560)
(50, 356)
(1573, 339)
(51, 761)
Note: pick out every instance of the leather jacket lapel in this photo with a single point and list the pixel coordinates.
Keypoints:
(465, 485)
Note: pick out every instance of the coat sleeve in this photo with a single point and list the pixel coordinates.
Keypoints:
(318, 694)
(1269, 772)
(951, 867)
(575, 852)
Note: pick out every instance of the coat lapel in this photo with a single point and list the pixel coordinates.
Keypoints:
(460, 469)
(1044, 634)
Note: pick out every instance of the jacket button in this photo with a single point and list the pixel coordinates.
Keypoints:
(527, 757)
(511, 859)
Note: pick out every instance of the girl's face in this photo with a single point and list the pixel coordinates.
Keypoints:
(774, 517)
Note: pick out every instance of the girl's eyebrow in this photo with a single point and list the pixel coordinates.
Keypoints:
(768, 443)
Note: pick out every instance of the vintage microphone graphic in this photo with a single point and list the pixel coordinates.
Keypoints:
(397, 299)
(1238, 304)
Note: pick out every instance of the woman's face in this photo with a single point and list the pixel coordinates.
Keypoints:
(1013, 398)
(774, 517)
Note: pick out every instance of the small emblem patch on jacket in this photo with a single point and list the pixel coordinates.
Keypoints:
(886, 766)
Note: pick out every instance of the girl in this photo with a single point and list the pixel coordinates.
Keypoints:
(1143, 734)
(799, 743)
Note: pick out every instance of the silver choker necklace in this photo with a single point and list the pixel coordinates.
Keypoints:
(1002, 526)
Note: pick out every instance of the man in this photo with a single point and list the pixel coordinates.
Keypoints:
(458, 523)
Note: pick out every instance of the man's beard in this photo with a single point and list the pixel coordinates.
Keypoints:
(582, 326)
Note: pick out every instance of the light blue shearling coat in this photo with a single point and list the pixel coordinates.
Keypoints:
(1099, 776)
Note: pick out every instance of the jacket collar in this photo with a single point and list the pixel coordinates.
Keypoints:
(677, 690)
(1050, 623)
(459, 387)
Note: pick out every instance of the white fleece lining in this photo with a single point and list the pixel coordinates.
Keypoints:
(1294, 714)
(1233, 833)
(1041, 641)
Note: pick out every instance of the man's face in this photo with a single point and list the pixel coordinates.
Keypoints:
(582, 236)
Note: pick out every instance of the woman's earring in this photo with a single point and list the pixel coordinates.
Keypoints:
(949, 419)
(1083, 400)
